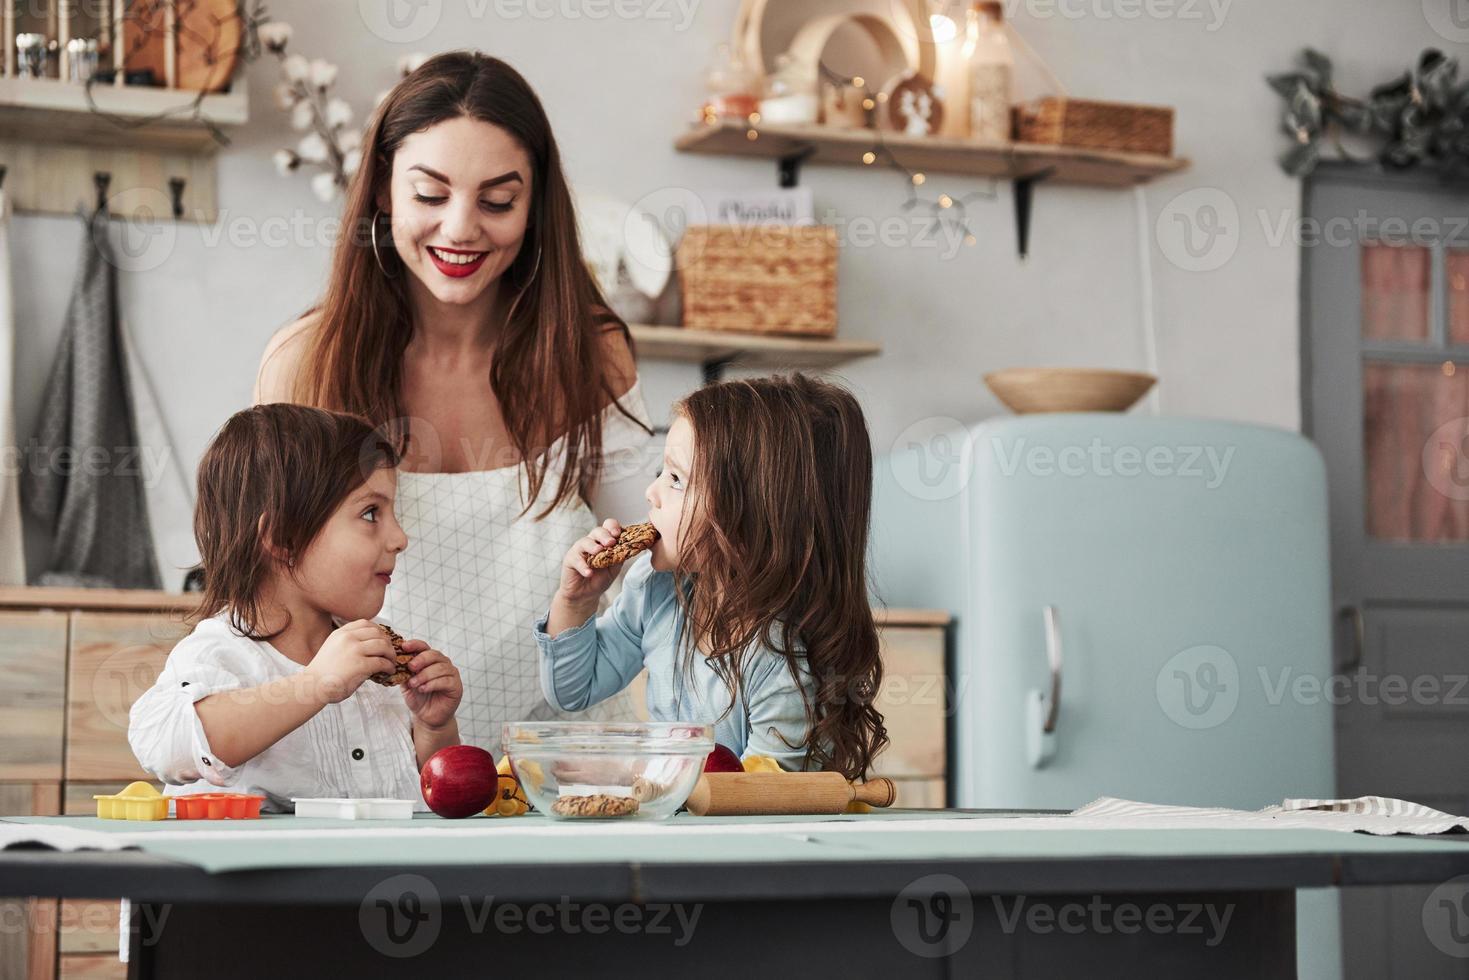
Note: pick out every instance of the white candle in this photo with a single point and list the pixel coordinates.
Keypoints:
(953, 76)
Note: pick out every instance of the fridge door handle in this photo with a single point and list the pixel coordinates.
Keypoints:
(1352, 616)
(1044, 708)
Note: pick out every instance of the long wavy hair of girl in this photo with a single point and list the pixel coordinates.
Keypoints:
(549, 347)
(775, 545)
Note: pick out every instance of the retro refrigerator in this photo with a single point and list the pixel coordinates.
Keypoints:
(1137, 601)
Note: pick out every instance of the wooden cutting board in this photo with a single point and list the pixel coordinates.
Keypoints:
(210, 34)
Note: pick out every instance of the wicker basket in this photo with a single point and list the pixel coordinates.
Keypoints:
(760, 279)
(1096, 125)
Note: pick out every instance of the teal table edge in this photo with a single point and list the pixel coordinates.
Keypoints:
(851, 866)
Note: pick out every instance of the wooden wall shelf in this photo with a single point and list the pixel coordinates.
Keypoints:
(933, 154)
(717, 349)
(52, 144)
(54, 111)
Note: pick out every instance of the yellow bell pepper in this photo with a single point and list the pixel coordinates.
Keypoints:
(760, 763)
(510, 798)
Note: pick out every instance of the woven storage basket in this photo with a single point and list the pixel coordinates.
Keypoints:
(1096, 125)
(760, 278)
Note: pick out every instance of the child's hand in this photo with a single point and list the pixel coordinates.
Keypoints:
(434, 691)
(350, 655)
(580, 582)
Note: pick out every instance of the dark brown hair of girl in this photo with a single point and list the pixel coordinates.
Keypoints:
(268, 483)
(550, 374)
(775, 544)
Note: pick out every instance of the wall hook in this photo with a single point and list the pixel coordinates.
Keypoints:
(102, 180)
(176, 187)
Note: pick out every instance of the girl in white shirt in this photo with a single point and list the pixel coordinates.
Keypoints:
(298, 541)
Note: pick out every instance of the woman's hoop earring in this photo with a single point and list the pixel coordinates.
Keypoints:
(375, 253)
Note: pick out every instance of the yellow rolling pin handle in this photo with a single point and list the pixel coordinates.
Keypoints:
(768, 793)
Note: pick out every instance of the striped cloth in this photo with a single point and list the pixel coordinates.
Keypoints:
(1366, 814)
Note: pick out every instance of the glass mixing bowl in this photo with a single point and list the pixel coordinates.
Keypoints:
(586, 770)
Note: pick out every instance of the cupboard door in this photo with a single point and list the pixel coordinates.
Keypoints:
(32, 709)
(28, 952)
(89, 927)
(115, 657)
(913, 700)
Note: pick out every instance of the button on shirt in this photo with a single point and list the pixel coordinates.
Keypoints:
(360, 747)
(642, 628)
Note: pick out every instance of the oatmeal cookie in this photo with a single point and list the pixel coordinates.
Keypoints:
(401, 675)
(634, 540)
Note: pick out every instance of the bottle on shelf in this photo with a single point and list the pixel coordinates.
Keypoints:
(991, 73)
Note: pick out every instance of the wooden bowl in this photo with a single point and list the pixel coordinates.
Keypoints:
(1028, 390)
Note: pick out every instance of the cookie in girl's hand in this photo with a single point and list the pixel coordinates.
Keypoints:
(634, 540)
(401, 675)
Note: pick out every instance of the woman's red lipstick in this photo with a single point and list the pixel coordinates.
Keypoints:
(457, 271)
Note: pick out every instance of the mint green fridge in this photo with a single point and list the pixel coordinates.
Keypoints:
(1142, 607)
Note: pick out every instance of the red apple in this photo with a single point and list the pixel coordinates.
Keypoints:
(723, 760)
(459, 781)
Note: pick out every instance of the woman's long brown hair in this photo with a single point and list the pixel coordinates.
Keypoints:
(549, 372)
(775, 545)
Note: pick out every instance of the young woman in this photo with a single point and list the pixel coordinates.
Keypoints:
(460, 314)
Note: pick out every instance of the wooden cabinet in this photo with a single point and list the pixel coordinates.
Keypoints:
(28, 941)
(74, 663)
(33, 663)
(115, 657)
(88, 933)
(915, 703)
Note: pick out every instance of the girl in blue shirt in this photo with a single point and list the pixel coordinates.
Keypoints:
(750, 612)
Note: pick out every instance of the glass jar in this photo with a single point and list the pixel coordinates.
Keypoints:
(991, 74)
(30, 55)
(733, 86)
(81, 59)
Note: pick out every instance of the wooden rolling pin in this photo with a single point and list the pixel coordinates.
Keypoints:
(722, 794)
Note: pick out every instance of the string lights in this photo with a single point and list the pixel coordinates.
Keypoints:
(944, 210)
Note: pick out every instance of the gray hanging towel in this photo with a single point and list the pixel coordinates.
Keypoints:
(84, 474)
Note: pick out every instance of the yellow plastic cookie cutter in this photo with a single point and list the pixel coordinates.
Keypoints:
(137, 801)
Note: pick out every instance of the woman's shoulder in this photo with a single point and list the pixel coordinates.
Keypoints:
(282, 359)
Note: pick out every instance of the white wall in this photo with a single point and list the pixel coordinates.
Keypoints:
(619, 89)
